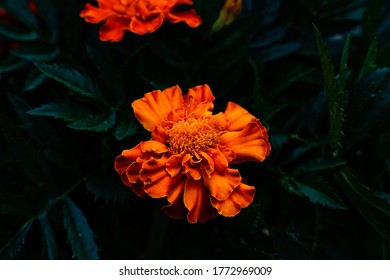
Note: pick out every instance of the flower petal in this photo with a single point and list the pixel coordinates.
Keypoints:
(114, 28)
(219, 159)
(93, 14)
(157, 181)
(197, 95)
(237, 116)
(249, 144)
(142, 26)
(132, 172)
(228, 153)
(176, 208)
(123, 161)
(197, 201)
(174, 164)
(241, 197)
(190, 17)
(160, 134)
(219, 121)
(207, 164)
(191, 167)
(107, 4)
(153, 146)
(138, 189)
(221, 186)
(156, 106)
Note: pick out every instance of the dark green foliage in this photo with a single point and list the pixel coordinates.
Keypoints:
(316, 73)
(79, 233)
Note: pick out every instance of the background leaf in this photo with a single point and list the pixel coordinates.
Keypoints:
(79, 233)
(71, 78)
(334, 96)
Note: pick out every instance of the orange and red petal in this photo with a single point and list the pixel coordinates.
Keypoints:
(197, 201)
(142, 26)
(108, 4)
(156, 106)
(190, 17)
(93, 14)
(240, 198)
(138, 189)
(176, 209)
(153, 146)
(157, 181)
(219, 121)
(113, 29)
(160, 134)
(207, 164)
(222, 185)
(228, 153)
(132, 172)
(123, 161)
(219, 159)
(249, 144)
(174, 164)
(237, 116)
(191, 167)
(196, 96)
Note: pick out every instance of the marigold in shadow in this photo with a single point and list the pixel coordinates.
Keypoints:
(189, 156)
(137, 16)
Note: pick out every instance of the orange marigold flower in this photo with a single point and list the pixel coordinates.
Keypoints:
(137, 16)
(188, 158)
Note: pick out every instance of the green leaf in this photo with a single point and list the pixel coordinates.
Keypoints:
(80, 117)
(351, 184)
(365, 207)
(106, 184)
(301, 150)
(334, 96)
(371, 17)
(343, 64)
(11, 63)
(318, 164)
(98, 123)
(125, 128)
(64, 111)
(370, 60)
(48, 239)
(71, 78)
(316, 189)
(36, 51)
(34, 79)
(22, 149)
(48, 10)
(79, 233)
(21, 11)
(18, 34)
(15, 245)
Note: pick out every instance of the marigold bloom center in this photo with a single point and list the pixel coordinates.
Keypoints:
(193, 135)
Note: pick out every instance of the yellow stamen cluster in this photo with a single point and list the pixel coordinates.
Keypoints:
(193, 135)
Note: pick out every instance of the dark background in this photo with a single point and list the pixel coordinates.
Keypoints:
(315, 72)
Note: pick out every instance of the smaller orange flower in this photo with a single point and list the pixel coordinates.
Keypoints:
(137, 16)
(230, 11)
(188, 158)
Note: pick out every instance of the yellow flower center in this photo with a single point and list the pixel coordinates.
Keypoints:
(194, 135)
